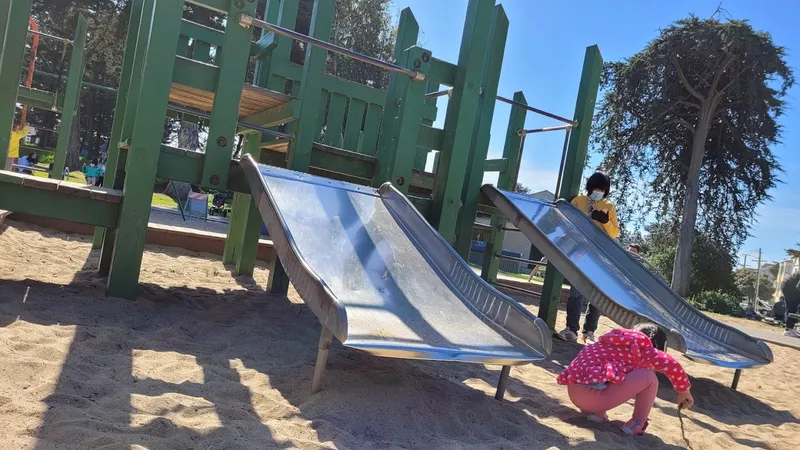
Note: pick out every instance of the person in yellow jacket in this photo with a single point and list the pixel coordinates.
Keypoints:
(18, 131)
(594, 204)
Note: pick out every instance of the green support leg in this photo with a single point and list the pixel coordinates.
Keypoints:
(225, 112)
(159, 61)
(5, 13)
(573, 168)
(278, 281)
(396, 163)
(72, 96)
(16, 31)
(241, 244)
(506, 180)
(475, 170)
(463, 111)
(119, 110)
(125, 115)
(299, 156)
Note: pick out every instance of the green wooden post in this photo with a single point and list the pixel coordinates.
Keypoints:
(311, 88)
(505, 180)
(396, 163)
(72, 97)
(463, 111)
(250, 222)
(124, 120)
(228, 94)
(472, 184)
(159, 61)
(573, 168)
(119, 107)
(10, 66)
(407, 33)
(5, 13)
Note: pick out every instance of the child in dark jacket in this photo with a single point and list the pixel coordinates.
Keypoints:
(620, 366)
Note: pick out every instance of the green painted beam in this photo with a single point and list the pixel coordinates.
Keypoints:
(423, 180)
(287, 112)
(241, 243)
(372, 123)
(429, 137)
(72, 96)
(505, 180)
(142, 161)
(463, 112)
(335, 121)
(495, 165)
(39, 202)
(202, 33)
(196, 74)
(355, 117)
(39, 99)
(341, 161)
(220, 6)
(493, 62)
(228, 93)
(266, 44)
(104, 238)
(443, 72)
(16, 30)
(573, 168)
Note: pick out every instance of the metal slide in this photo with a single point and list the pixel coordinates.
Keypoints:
(620, 285)
(381, 279)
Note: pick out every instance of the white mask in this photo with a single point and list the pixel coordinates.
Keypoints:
(596, 195)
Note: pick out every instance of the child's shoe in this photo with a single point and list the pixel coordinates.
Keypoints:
(567, 335)
(597, 418)
(635, 427)
(588, 337)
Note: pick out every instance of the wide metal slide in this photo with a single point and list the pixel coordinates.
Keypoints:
(620, 285)
(382, 280)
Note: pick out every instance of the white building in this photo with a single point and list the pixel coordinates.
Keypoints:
(787, 268)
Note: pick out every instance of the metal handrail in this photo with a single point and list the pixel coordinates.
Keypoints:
(545, 129)
(58, 38)
(248, 21)
(537, 111)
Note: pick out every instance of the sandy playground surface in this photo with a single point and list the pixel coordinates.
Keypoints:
(204, 360)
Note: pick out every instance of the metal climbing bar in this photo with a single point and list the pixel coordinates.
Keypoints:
(248, 21)
(522, 260)
(50, 36)
(448, 92)
(249, 126)
(537, 111)
(545, 129)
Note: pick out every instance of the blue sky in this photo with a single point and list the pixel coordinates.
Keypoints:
(543, 58)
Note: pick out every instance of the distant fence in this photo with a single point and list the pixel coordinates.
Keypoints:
(478, 250)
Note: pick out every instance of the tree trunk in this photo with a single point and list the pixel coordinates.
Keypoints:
(189, 139)
(73, 160)
(682, 269)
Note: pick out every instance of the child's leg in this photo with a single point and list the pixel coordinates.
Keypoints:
(641, 385)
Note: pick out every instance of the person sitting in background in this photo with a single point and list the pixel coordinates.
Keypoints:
(18, 131)
(28, 160)
(621, 366)
(91, 172)
(635, 249)
(791, 293)
(595, 205)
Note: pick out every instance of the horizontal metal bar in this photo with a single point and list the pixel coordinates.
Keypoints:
(537, 111)
(249, 126)
(38, 72)
(514, 288)
(545, 129)
(522, 260)
(448, 92)
(31, 168)
(50, 36)
(248, 21)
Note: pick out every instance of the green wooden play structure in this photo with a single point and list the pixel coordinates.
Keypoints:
(292, 115)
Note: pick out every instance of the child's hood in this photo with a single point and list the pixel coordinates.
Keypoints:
(630, 340)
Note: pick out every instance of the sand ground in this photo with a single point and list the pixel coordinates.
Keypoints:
(204, 360)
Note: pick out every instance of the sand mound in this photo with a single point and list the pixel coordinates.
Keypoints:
(205, 360)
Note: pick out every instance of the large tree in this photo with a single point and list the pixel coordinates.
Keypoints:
(686, 126)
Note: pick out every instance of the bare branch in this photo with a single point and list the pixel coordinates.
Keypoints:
(729, 58)
(689, 104)
(684, 80)
(683, 122)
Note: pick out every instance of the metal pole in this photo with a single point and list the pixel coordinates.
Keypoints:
(542, 130)
(563, 160)
(758, 279)
(325, 340)
(501, 384)
(205, 115)
(248, 21)
(58, 38)
(537, 111)
(448, 92)
(736, 376)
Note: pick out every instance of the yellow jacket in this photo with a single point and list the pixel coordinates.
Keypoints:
(16, 136)
(612, 226)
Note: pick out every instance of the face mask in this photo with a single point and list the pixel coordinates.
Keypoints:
(596, 195)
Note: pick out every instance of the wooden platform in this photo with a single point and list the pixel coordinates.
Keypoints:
(62, 187)
(280, 146)
(254, 99)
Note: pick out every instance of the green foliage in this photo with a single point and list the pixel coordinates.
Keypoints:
(712, 265)
(522, 189)
(792, 253)
(708, 84)
(717, 301)
(746, 283)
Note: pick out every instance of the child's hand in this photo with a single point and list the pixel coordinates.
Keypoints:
(685, 400)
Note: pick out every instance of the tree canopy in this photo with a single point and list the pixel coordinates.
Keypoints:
(685, 128)
(746, 283)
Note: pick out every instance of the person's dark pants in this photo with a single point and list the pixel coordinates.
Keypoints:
(575, 303)
(792, 306)
(99, 181)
